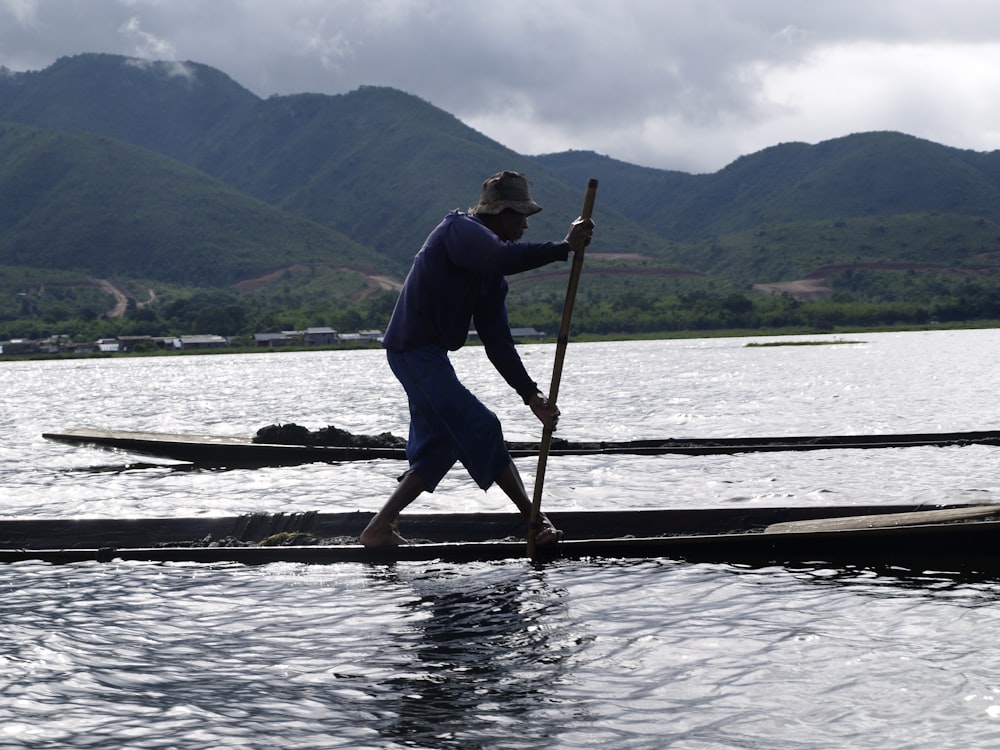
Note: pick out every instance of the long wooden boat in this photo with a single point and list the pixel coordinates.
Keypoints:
(243, 452)
(942, 537)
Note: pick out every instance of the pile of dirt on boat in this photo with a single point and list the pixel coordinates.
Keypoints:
(281, 539)
(269, 530)
(294, 434)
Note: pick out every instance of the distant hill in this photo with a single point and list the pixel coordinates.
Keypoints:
(382, 166)
(175, 172)
(74, 201)
(378, 165)
(172, 108)
(860, 175)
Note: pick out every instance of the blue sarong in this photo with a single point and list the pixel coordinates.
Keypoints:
(447, 422)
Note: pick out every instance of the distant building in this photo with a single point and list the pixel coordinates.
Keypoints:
(527, 333)
(54, 344)
(82, 347)
(272, 340)
(518, 334)
(130, 343)
(201, 341)
(319, 336)
(19, 346)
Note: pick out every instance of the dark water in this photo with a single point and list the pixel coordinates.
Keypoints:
(602, 653)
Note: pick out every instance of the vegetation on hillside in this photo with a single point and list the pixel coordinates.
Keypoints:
(633, 305)
(864, 175)
(91, 204)
(804, 249)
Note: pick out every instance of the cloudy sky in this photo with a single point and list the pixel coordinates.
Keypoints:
(675, 84)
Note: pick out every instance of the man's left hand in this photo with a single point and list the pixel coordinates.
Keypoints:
(547, 413)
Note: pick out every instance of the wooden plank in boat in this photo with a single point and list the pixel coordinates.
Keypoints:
(883, 520)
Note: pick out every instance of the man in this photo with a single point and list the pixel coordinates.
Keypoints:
(456, 279)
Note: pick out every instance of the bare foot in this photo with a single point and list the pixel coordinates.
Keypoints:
(548, 534)
(380, 535)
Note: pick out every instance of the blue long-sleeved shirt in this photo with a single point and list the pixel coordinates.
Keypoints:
(458, 278)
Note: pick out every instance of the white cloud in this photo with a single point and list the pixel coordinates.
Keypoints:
(683, 84)
(934, 90)
(144, 44)
(148, 49)
(23, 12)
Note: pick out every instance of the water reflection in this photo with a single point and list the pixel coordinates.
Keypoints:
(955, 586)
(483, 652)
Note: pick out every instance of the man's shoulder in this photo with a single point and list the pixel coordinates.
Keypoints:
(465, 224)
(457, 214)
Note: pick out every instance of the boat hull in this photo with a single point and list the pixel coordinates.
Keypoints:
(240, 452)
(961, 541)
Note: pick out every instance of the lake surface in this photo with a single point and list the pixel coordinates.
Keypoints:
(574, 654)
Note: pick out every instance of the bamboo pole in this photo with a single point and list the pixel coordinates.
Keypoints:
(561, 343)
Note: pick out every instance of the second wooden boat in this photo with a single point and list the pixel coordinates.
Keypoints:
(244, 452)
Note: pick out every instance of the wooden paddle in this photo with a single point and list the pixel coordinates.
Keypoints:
(543, 449)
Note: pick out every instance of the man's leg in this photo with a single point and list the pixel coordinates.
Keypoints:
(509, 480)
(425, 450)
(379, 532)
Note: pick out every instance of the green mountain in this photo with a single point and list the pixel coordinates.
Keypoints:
(376, 164)
(86, 203)
(794, 210)
(171, 108)
(379, 165)
(382, 166)
(174, 173)
(860, 175)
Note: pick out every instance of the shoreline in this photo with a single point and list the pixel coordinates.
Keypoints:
(581, 338)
